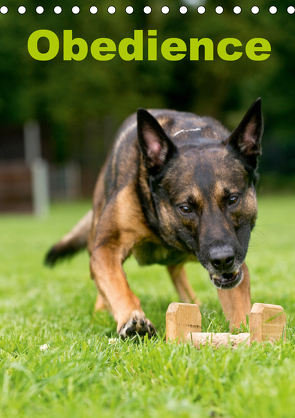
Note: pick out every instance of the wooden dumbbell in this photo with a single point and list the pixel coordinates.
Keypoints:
(183, 323)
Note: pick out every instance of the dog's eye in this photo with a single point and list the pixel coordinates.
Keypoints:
(185, 209)
(233, 200)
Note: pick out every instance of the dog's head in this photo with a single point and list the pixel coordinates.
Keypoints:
(203, 195)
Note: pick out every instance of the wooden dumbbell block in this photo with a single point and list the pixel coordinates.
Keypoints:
(183, 323)
(267, 322)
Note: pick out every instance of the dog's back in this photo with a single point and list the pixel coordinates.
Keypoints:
(185, 129)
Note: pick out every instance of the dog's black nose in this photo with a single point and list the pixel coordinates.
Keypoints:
(222, 258)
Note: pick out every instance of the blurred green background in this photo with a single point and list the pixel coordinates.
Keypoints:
(80, 104)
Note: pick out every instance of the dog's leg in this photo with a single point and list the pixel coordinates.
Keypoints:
(179, 279)
(107, 271)
(236, 303)
(99, 304)
(120, 226)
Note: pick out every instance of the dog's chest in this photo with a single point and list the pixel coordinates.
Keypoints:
(150, 253)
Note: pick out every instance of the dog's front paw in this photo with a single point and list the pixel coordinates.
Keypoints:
(137, 324)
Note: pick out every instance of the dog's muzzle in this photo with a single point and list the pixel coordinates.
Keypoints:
(227, 280)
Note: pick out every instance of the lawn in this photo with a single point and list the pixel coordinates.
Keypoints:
(86, 372)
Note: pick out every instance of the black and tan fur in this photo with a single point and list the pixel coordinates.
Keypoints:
(175, 187)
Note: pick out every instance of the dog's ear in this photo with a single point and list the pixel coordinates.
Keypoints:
(156, 147)
(246, 138)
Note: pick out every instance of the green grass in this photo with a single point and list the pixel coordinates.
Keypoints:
(84, 374)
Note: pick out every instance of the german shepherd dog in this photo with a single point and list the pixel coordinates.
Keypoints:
(176, 187)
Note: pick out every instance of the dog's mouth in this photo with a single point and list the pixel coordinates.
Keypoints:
(227, 280)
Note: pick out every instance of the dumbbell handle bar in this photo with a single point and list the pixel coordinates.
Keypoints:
(217, 339)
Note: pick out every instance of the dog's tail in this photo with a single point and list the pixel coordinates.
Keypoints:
(72, 242)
